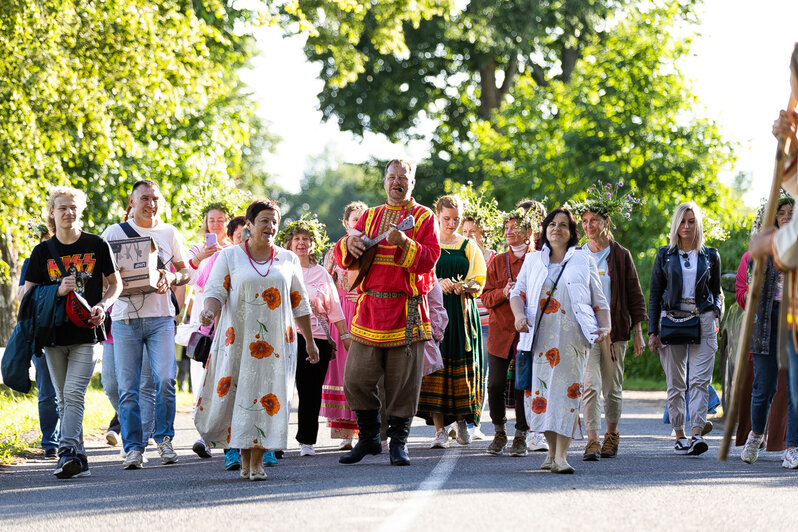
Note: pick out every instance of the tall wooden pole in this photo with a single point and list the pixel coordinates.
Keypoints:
(752, 303)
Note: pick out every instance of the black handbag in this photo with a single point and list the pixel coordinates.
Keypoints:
(679, 327)
(199, 346)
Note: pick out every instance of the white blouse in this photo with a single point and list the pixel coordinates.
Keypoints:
(688, 273)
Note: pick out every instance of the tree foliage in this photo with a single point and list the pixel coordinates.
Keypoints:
(336, 28)
(328, 187)
(462, 66)
(101, 94)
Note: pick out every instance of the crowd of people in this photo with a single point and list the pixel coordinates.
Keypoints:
(407, 315)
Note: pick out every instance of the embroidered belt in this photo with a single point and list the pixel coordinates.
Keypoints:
(687, 300)
(413, 314)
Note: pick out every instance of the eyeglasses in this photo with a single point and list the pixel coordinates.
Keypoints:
(686, 258)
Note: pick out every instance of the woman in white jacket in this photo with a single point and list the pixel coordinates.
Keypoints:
(560, 311)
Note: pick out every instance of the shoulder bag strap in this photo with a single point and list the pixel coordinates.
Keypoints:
(551, 294)
(132, 233)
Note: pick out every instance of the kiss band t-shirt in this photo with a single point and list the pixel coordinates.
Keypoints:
(90, 259)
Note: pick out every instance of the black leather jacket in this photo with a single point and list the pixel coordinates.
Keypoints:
(665, 292)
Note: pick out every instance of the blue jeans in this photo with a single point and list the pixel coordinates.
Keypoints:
(48, 409)
(131, 337)
(146, 391)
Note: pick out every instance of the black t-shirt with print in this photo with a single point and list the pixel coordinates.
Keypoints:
(92, 260)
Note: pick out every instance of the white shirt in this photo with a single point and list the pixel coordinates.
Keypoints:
(170, 250)
(688, 273)
(603, 266)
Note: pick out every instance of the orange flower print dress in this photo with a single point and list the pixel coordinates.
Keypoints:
(559, 362)
(249, 383)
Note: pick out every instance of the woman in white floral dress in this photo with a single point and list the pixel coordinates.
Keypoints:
(245, 400)
(575, 314)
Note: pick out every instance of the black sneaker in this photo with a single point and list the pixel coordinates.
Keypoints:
(84, 467)
(68, 464)
(50, 454)
(697, 446)
(682, 446)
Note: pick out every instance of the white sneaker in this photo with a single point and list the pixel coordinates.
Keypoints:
(345, 445)
(306, 450)
(535, 441)
(477, 434)
(441, 440)
(167, 452)
(133, 460)
(463, 437)
(790, 459)
(151, 443)
(123, 454)
(112, 437)
(385, 446)
(750, 451)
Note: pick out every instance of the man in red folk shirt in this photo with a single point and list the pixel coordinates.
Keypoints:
(391, 321)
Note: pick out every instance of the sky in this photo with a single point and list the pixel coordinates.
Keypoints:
(739, 67)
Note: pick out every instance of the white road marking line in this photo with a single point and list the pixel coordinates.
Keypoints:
(404, 516)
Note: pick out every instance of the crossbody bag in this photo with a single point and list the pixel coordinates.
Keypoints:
(523, 359)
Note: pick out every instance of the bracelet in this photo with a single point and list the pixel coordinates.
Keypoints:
(345, 336)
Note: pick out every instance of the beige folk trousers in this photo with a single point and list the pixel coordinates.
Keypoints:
(604, 375)
(400, 372)
(674, 359)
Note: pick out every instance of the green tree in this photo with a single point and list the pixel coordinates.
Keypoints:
(461, 67)
(330, 185)
(99, 95)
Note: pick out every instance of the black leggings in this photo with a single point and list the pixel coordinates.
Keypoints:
(497, 393)
(309, 380)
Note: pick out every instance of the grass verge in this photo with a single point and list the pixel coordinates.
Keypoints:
(19, 420)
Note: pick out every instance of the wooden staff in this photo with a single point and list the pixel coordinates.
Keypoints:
(752, 302)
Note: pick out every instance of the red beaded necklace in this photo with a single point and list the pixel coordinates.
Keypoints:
(252, 261)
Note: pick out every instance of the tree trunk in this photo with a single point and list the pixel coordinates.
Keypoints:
(568, 59)
(492, 96)
(8, 293)
(489, 101)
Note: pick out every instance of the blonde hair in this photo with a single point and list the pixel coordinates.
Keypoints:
(56, 192)
(449, 202)
(681, 210)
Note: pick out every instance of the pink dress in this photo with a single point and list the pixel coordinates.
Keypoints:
(342, 421)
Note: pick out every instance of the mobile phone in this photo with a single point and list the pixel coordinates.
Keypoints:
(210, 240)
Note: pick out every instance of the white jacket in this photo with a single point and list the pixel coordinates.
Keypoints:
(580, 277)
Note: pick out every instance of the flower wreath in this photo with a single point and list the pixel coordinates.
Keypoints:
(605, 199)
(530, 220)
(784, 198)
(312, 226)
(37, 228)
(484, 211)
(202, 198)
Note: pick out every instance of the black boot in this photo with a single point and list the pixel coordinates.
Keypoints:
(398, 430)
(368, 423)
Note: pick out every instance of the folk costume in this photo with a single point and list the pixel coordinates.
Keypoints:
(390, 326)
(456, 391)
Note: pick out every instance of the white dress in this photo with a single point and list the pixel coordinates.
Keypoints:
(559, 361)
(245, 399)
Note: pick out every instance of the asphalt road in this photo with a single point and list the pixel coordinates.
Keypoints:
(646, 487)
